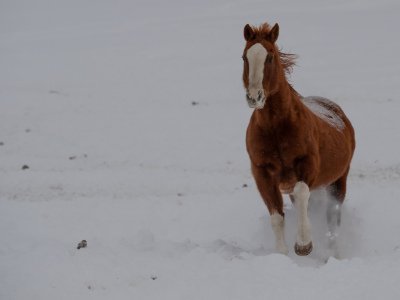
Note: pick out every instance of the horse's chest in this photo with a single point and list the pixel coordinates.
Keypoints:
(271, 150)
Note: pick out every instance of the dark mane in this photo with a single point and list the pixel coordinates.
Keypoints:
(288, 60)
(262, 30)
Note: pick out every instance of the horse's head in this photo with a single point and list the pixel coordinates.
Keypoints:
(262, 67)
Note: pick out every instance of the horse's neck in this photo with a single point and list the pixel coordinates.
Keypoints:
(284, 105)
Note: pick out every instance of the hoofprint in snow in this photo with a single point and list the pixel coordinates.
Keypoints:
(160, 189)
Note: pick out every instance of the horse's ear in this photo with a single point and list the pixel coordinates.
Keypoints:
(248, 33)
(274, 33)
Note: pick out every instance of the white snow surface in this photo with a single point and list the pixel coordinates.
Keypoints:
(131, 117)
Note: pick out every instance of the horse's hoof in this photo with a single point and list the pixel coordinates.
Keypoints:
(303, 250)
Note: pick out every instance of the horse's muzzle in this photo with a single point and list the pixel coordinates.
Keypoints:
(255, 99)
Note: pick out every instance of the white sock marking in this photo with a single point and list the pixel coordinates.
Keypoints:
(278, 226)
(301, 194)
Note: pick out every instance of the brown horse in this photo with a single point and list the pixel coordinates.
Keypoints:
(295, 144)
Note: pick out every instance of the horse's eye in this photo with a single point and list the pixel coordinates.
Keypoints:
(243, 57)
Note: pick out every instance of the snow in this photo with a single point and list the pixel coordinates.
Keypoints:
(96, 99)
(319, 106)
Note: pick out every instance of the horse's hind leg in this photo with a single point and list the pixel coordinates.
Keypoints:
(337, 192)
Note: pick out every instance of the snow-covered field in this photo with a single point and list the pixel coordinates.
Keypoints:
(131, 117)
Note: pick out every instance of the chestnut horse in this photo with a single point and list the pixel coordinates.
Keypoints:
(295, 144)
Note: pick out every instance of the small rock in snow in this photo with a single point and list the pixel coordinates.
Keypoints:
(25, 167)
(82, 244)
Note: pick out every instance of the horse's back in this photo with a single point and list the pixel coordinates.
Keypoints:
(329, 113)
(326, 110)
(337, 138)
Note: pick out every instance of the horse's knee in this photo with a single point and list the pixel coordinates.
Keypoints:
(301, 191)
(301, 194)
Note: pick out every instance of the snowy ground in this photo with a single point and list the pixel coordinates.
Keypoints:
(97, 98)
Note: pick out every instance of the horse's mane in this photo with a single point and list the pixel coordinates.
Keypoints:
(288, 60)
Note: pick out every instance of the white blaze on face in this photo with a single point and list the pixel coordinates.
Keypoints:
(256, 56)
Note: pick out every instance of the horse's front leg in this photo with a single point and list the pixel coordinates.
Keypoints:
(301, 194)
(305, 170)
(273, 199)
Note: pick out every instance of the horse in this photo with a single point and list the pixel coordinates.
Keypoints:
(295, 144)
